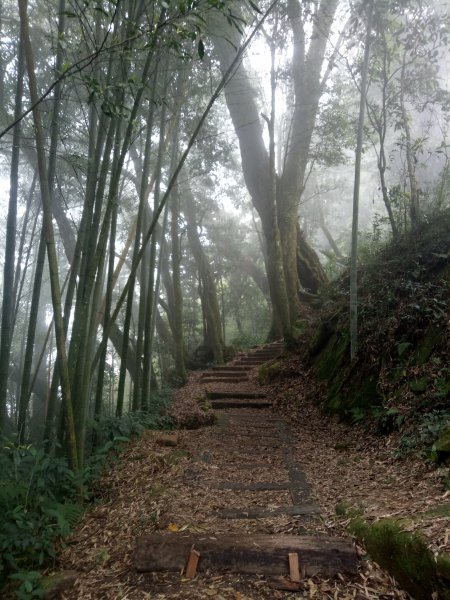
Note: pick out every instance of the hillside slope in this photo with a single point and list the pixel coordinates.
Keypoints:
(402, 374)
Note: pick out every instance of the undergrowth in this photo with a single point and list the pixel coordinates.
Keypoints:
(41, 499)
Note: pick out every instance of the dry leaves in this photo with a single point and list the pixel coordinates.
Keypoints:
(175, 489)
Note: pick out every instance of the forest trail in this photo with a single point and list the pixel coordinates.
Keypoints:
(250, 462)
(251, 476)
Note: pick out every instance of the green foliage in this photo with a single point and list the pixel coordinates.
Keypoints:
(405, 556)
(247, 340)
(387, 420)
(424, 434)
(39, 503)
(41, 498)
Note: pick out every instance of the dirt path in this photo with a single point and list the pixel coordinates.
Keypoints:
(249, 473)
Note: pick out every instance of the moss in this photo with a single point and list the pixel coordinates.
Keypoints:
(359, 395)
(439, 511)
(346, 509)
(431, 341)
(395, 374)
(268, 371)
(419, 385)
(441, 447)
(443, 567)
(405, 556)
(156, 491)
(174, 457)
(329, 360)
(342, 446)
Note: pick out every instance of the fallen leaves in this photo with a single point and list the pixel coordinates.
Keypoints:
(155, 487)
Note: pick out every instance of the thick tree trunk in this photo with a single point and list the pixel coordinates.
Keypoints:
(210, 304)
(256, 161)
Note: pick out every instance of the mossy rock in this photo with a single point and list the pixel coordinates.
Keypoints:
(176, 456)
(419, 386)
(405, 556)
(361, 392)
(441, 447)
(346, 509)
(431, 341)
(325, 332)
(395, 374)
(443, 568)
(55, 584)
(329, 361)
(269, 371)
(342, 446)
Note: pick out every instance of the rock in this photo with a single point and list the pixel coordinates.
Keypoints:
(441, 447)
(54, 585)
(167, 439)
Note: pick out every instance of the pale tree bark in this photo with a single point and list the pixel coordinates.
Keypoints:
(240, 97)
(177, 330)
(378, 117)
(8, 299)
(414, 209)
(208, 292)
(150, 297)
(50, 242)
(358, 155)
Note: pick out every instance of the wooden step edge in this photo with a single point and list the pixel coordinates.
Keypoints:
(217, 404)
(262, 512)
(256, 554)
(218, 395)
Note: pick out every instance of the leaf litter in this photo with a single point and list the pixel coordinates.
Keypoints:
(153, 488)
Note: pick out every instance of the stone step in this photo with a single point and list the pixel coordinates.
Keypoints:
(224, 380)
(224, 374)
(244, 395)
(230, 368)
(251, 362)
(256, 554)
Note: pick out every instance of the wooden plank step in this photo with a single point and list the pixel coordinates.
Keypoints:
(262, 512)
(257, 487)
(217, 395)
(243, 436)
(258, 554)
(238, 403)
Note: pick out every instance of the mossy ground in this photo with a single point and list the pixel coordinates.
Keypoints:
(406, 557)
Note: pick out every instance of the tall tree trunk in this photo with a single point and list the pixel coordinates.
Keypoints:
(414, 209)
(210, 304)
(358, 155)
(150, 285)
(10, 245)
(50, 242)
(240, 98)
(177, 330)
